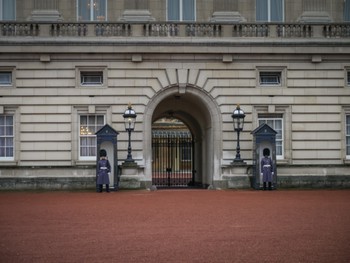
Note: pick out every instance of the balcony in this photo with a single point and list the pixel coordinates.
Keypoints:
(173, 30)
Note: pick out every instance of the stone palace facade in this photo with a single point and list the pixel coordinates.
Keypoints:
(69, 67)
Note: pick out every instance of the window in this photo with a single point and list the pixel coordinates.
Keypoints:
(269, 10)
(347, 10)
(275, 123)
(270, 78)
(91, 78)
(186, 150)
(348, 78)
(181, 10)
(5, 78)
(89, 125)
(6, 137)
(348, 136)
(92, 10)
(7, 9)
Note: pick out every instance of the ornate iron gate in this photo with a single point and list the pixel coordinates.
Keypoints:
(172, 158)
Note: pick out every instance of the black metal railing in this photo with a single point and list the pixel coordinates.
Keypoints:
(172, 159)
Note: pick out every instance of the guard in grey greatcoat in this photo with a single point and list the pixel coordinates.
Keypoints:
(267, 169)
(103, 169)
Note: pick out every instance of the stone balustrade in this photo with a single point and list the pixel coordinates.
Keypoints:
(172, 29)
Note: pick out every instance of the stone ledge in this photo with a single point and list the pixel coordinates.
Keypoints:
(227, 16)
(237, 181)
(291, 181)
(47, 183)
(313, 181)
(46, 15)
(129, 182)
(137, 15)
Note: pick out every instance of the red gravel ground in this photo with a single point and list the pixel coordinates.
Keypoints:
(175, 226)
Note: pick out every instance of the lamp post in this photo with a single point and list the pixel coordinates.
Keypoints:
(129, 121)
(238, 122)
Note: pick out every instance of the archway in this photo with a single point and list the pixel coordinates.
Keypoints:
(195, 108)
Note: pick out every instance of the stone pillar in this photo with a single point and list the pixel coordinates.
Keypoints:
(315, 11)
(226, 11)
(129, 178)
(45, 10)
(136, 4)
(225, 5)
(46, 4)
(314, 5)
(236, 176)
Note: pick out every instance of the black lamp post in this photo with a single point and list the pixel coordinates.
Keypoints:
(129, 121)
(238, 122)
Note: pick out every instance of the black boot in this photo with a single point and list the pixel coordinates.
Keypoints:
(270, 187)
(264, 186)
(100, 188)
(107, 188)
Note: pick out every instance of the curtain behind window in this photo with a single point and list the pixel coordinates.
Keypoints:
(84, 10)
(173, 10)
(347, 10)
(274, 14)
(188, 10)
(276, 10)
(261, 10)
(8, 9)
(100, 10)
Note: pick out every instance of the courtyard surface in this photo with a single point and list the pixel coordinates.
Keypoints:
(176, 226)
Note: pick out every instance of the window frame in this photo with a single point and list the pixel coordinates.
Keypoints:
(5, 136)
(12, 71)
(95, 127)
(91, 13)
(186, 151)
(347, 135)
(80, 71)
(10, 78)
(270, 74)
(265, 119)
(347, 77)
(85, 75)
(181, 13)
(282, 71)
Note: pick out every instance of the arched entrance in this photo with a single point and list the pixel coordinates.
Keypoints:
(199, 112)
